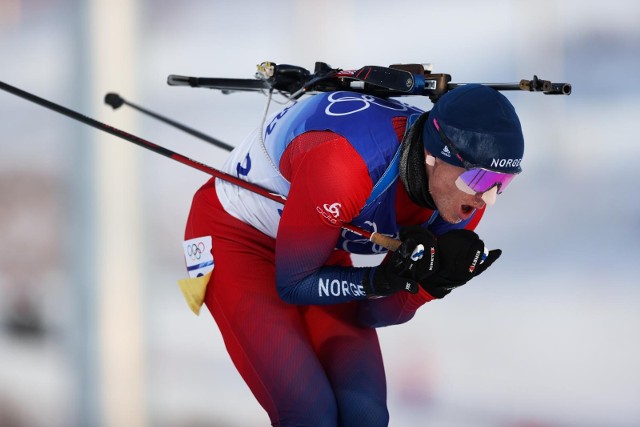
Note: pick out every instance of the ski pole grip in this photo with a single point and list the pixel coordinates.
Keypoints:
(385, 241)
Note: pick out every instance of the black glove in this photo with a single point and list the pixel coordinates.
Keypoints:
(462, 256)
(413, 261)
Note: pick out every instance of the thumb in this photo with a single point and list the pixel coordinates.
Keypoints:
(490, 259)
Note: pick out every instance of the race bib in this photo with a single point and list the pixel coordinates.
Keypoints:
(197, 254)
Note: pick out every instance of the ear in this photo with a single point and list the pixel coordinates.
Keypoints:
(429, 159)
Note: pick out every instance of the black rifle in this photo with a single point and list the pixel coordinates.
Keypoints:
(393, 81)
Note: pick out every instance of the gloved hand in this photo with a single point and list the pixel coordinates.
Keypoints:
(415, 260)
(462, 256)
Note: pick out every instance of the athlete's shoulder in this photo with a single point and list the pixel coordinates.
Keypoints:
(324, 151)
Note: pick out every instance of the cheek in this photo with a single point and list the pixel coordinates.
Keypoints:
(435, 188)
(445, 193)
(443, 187)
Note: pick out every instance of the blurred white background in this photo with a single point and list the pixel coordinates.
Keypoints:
(93, 328)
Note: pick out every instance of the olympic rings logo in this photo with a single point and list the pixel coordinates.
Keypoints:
(194, 251)
(359, 103)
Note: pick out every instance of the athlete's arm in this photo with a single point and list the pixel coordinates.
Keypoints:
(329, 186)
(392, 310)
(402, 306)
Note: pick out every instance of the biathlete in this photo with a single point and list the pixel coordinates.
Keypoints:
(298, 320)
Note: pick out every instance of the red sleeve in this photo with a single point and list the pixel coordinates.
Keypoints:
(329, 186)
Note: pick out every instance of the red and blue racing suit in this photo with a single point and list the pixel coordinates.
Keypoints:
(283, 291)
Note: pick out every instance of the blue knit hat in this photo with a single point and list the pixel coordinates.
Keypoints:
(482, 125)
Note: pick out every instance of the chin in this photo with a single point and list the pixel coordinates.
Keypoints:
(451, 219)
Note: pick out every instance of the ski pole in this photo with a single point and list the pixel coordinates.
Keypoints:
(377, 238)
(116, 101)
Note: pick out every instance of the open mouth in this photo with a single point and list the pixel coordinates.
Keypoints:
(465, 211)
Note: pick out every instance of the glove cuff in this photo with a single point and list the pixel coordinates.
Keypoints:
(380, 282)
(367, 281)
(438, 291)
(415, 301)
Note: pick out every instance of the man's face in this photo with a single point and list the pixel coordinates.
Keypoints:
(453, 205)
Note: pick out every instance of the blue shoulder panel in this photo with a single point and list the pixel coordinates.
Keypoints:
(346, 114)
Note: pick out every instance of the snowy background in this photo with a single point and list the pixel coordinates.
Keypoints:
(93, 328)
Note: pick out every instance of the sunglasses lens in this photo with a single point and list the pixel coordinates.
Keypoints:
(480, 180)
